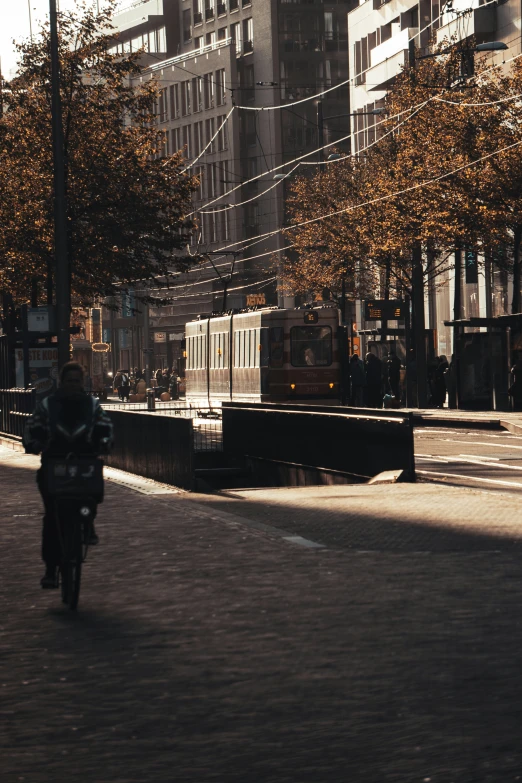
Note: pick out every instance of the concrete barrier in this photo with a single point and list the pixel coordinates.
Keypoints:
(158, 447)
(359, 444)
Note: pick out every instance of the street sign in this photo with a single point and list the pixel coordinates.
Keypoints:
(160, 337)
(385, 309)
(40, 319)
(311, 317)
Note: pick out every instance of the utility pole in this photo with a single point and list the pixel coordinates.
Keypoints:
(419, 330)
(62, 277)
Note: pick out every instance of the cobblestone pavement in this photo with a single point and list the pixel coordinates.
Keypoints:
(207, 648)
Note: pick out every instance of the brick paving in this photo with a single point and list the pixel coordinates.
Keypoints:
(209, 649)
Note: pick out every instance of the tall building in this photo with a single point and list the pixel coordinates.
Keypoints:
(379, 35)
(211, 58)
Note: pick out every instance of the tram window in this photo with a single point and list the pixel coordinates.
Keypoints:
(264, 336)
(276, 346)
(311, 346)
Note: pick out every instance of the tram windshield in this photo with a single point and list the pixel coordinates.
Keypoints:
(311, 346)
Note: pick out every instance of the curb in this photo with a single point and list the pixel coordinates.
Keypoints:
(12, 443)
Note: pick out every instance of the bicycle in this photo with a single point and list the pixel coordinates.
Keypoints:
(76, 484)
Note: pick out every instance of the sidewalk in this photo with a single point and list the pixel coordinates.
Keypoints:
(348, 633)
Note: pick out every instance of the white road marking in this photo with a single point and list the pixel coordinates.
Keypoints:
(472, 478)
(474, 461)
(303, 542)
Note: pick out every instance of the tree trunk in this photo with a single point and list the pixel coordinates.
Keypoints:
(515, 304)
(419, 337)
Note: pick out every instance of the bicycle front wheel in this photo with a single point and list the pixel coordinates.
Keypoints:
(71, 567)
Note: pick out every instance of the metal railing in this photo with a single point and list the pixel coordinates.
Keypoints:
(206, 421)
(15, 406)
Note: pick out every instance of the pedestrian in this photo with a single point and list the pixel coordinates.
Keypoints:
(515, 390)
(118, 382)
(125, 385)
(374, 378)
(394, 374)
(439, 382)
(450, 378)
(158, 377)
(357, 381)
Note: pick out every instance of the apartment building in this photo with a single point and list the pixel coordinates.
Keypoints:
(210, 57)
(378, 36)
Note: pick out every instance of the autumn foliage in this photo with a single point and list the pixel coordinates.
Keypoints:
(445, 172)
(125, 203)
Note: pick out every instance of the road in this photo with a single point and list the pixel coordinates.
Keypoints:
(479, 458)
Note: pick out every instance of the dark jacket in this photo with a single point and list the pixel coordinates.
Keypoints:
(61, 424)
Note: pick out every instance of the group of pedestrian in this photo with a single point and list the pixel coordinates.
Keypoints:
(374, 380)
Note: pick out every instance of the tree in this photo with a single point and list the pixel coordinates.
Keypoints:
(126, 204)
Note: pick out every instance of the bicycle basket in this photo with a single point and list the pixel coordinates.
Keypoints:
(81, 476)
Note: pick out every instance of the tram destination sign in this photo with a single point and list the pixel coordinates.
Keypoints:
(385, 309)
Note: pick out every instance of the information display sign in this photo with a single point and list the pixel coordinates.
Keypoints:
(385, 309)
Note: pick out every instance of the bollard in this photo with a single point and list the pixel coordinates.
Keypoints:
(151, 400)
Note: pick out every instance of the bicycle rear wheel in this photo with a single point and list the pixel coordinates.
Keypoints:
(71, 568)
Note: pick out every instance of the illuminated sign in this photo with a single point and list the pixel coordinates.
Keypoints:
(101, 347)
(311, 317)
(255, 299)
(385, 310)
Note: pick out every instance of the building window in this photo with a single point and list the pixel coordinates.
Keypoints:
(222, 34)
(197, 93)
(197, 7)
(174, 101)
(198, 42)
(186, 134)
(220, 87)
(163, 105)
(209, 90)
(187, 25)
(185, 98)
(248, 35)
(175, 140)
(209, 9)
(210, 130)
(198, 138)
(210, 39)
(235, 33)
(222, 133)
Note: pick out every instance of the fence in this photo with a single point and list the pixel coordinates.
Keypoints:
(15, 406)
(207, 430)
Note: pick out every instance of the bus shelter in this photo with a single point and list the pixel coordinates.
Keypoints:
(482, 360)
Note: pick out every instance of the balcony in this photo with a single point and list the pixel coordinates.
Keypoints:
(198, 18)
(221, 9)
(481, 23)
(209, 13)
(397, 43)
(248, 46)
(382, 75)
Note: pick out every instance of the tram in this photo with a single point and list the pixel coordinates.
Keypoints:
(265, 355)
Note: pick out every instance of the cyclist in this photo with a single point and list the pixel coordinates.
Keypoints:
(67, 421)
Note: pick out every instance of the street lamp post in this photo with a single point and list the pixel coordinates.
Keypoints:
(62, 279)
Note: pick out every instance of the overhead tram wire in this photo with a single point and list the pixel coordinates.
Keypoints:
(300, 161)
(419, 185)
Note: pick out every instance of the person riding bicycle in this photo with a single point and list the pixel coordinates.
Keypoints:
(67, 421)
